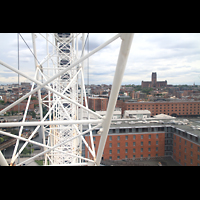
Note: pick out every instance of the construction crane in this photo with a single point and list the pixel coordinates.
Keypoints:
(61, 73)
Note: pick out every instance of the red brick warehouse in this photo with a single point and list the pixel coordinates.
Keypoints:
(124, 145)
(97, 103)
(186, 153)
(149, 141)
(177, 108)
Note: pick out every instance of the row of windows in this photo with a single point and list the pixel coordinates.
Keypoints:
(126, 137)
(180, 105)
(134, 143)
(191, 162)
(126, 150)
(191, 145)
(191, 154)
(172, 109)
(169, 111)
(185, 144)
(166, 108)
(185, 150)
(184, 113)
(134, 130)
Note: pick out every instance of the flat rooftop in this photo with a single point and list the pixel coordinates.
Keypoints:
(191, 125)
(137, 112)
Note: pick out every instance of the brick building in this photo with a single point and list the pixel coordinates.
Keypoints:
(122, 146)
(131, 143)
(141, 141)
(173, 108)
(97, 103)
(154, 82)
(22, 107)
(4, 98)
(180, 108)
(186, 152)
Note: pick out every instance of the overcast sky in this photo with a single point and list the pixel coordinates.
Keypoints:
(174, 56)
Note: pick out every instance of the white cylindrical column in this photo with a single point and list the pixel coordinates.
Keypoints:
(3, 161)
(119, 72)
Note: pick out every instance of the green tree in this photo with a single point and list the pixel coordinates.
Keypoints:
(36, 105)
(138, 88)
(147, 90)
(33, 114)
(33, 98)
(25, 151)
(45, 110)
(1, 139)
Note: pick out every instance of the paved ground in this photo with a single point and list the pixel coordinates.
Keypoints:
(151, 162)
(30, 163)
(164, 161)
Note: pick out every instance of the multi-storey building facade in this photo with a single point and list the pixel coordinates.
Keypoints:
(97, 103)
(126, 141)
(185, 151)
(174, 108)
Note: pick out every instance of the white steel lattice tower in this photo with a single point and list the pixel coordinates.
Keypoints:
(61, 73)
(65, 110)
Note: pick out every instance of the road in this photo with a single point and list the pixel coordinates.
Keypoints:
(14, 118)
(30, 163)
(7, 144)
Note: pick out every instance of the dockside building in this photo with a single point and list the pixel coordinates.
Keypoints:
(148, 139)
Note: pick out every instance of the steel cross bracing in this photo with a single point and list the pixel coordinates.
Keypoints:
(61, 73)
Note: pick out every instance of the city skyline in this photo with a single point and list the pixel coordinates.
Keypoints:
(174, 56)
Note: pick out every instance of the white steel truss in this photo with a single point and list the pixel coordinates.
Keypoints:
(62, 77)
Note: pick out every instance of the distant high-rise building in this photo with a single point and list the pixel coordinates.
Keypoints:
(154, 82)
(97, 103)
(153, 79)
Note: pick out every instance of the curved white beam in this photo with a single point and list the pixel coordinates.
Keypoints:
(119, 72)
(3, 161)
(36, 123)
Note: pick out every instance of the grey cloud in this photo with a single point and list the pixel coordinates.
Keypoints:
(183, 45)
(174, 73)
(170, 55)
(172, 39)
(92, 45)
(184, 66)
(92, 42)
(7, 75)
(99, 74)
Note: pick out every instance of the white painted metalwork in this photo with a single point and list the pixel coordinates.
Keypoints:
(61, 73)
(3, 161)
